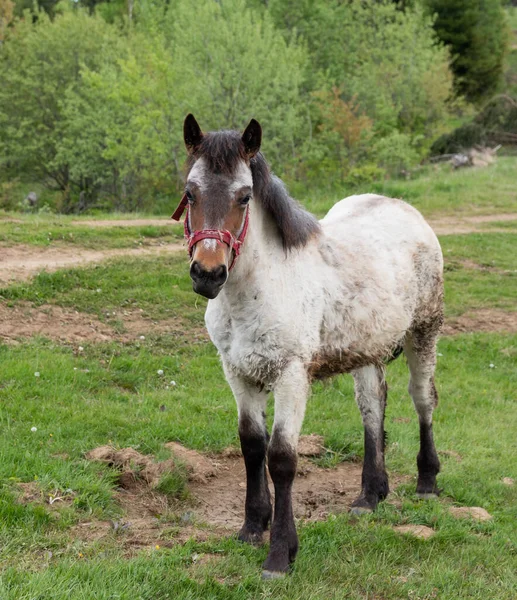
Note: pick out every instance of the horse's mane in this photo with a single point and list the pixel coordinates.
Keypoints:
(222, 150)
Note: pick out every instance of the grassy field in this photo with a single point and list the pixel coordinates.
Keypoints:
(79, 397)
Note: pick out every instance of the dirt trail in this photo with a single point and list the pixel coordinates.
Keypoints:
(21, 262)
(469, 224)
(441, 225)
(70, 326)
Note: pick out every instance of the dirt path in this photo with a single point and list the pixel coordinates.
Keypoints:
(441, 225)
(445, 225)
(20, 262)
(469, 224)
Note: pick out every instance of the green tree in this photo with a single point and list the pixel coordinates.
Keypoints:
(6, 16)
(232, 66)
(476, 33)
(384, 62)
(39, 65)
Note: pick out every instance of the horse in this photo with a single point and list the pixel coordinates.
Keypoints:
(293, 299)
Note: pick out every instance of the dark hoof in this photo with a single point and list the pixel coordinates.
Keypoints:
(364, 505)
(253, 538)
(427, 495)
(361, 510)
(266, 574)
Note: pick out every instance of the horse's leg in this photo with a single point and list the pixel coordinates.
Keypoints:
(291, 393)
(371, 394)
(251, 405)
(420, 350)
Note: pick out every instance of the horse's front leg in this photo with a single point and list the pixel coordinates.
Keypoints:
(251, 405)
(291, 393)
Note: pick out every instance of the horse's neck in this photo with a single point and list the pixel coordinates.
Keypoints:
(262, 250)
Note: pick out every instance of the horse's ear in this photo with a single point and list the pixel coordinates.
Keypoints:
(252, 137)
(192, 133)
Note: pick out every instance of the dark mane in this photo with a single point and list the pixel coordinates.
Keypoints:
(295, 224)
(222, 150)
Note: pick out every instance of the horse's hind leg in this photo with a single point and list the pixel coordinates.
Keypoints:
(371, 395)
(251, 405)
(420, 350)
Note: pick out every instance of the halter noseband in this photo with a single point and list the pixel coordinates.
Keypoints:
(222, 236)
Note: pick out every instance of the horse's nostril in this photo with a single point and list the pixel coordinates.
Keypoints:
(214, 276)
(219, 274)
(196, 270)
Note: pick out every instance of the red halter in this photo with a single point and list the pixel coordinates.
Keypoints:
(222, 236)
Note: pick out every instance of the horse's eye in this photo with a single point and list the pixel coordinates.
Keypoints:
(190, 197)
(245, 200)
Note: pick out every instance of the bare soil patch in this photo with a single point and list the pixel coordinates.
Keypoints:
(217, 493)
(70, 326)
(470, 512)
(420, 531)
(485, 319)
(21, 262)
(469, 224)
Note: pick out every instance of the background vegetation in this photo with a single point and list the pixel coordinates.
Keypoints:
(93, 94)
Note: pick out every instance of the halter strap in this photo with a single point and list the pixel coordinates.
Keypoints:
(222, 236)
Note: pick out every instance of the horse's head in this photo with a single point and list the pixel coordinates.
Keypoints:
(218, 191)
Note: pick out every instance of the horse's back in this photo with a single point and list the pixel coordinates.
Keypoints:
(388, 243)
(372, 214)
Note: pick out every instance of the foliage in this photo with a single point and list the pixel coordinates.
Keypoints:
(475, 31)
(39, 65)
(332, 84)
(6, 16)
(364, 64)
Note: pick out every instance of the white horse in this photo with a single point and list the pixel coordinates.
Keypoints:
(304, 300)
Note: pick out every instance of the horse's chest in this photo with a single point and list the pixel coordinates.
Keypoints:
(255, 348)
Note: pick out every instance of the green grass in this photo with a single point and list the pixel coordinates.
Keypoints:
(50, 231)
(438, 190)
(118, 400)
(492, 285)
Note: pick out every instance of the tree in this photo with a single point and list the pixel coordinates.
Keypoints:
(39, 65)
(476, 33)
(6, 16)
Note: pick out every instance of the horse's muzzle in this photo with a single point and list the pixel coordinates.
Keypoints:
(208, 283)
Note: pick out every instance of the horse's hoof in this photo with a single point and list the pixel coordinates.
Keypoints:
(273, 574)
(427, 495)
(255, 539)
(360, 510)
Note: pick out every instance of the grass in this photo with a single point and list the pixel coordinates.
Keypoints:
(439, 190)
(55, 230)
(113, 393)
